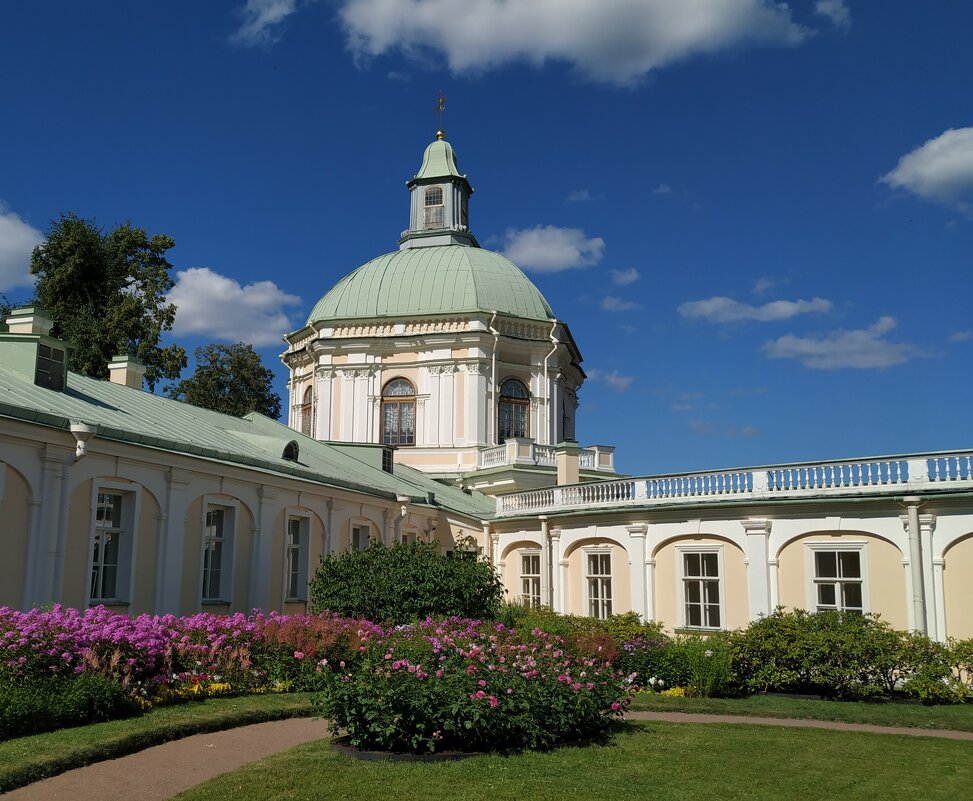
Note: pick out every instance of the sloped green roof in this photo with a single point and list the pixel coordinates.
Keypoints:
(439, 161)
(131, 415)
(445, 279)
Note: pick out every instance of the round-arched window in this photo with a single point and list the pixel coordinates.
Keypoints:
(307, 413)
(434, 209)
(513, 418)
(399, 413)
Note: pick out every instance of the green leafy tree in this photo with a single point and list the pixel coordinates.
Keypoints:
(107, 295)
(403, 582)
(229, 379)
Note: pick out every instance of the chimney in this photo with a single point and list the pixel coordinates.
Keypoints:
(29, 320)
(126, 370)
(566, 454)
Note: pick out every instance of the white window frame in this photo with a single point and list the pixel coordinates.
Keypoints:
(530, 581)
(847, 546)
(231, 509)
(131, 507)
(681, 579)
(605, 604)
(409, 534)
(359, 525)
(298, 553)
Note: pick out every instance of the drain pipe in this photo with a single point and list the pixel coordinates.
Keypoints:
(915, 565)
(547, 388)
(82, 433)
(492, 426)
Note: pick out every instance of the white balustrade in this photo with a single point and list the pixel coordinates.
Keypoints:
(545, 455)
(493, 457)
(887, 475)
(586, 460)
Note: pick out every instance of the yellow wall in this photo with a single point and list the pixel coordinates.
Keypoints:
(576, 589)
(886, 574)
(14, 512)
(668, 596)
(957, 570)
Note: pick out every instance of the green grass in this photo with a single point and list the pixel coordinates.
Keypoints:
(657, 761)
(958, 717)
(27, 759)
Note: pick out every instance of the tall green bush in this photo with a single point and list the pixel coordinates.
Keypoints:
(402, 582)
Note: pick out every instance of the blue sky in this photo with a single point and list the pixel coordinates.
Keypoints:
(756, 218)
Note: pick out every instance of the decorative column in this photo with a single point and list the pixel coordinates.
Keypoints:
(917, 610)
(431, 434)
(649, 588)
(545, 561)
(262, 551)
(934, 623)
(939, 595)
(447, 404)
(322, 412)
(774, 583)
(360, 409)
(758, 565)
(168, 575)
(346, 434)
(559, 573)
(636, 556)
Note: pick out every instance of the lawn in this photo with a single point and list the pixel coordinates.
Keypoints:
(951, 716)
(656, 761)
(27, 759)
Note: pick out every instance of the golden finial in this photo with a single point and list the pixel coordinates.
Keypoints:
(440, 105)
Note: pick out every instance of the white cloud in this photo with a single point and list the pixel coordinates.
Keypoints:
(836, 11)
(613, 303)
(762, 285)
(578, 196)
(549, 249)
(261, 21)
(618, 41)
(617, 382)
(662, 189)
(726, 310)
(941, 170)
(862, 348)
(210, 304)
(17, 240)
(625, 277)
(961, 336)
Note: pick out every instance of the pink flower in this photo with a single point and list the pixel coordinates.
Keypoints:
(298, 654)
(493, 702)
(482, 683)
(616, 706)
(480, 694)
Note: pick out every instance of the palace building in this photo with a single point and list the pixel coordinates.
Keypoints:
(433, 394)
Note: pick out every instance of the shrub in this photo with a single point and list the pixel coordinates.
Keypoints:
(405, 582)
(465, 685)
(928, 671)
(56, 702)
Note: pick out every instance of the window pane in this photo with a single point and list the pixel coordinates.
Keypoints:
(711, 564)
(694, 615)
(399, 388)
(109, 575)
(826, 564)
(851, 596)
(713, 616)
(850, 564)
(693, 592)
(827, 595)
(434, 196)
(512, 388)
(692, 564)
(712, 592)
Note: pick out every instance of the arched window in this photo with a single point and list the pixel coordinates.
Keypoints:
(434, 209)
(307, 414)
(513, 419)
(399, 413)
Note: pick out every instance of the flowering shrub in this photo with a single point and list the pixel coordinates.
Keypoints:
(460, 684)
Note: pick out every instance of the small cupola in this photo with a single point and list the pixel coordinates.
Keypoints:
(30, 349)
(126, 370)
(440, 197)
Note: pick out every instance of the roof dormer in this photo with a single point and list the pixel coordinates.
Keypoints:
(440, 197)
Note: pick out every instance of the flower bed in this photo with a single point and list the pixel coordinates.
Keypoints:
(458, 684)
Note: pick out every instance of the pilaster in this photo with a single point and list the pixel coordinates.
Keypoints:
(636, 553)
(758, 565)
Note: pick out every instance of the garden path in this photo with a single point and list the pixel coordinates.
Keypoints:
(160, 772)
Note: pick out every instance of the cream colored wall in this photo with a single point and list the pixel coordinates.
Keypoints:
(668, 595)
(957, 571)
(576, 589)
(511, 567)
(409, 373)
(401, 357)
(14, 509)
(241, 556)
(886, 574)
(146, 544)
(191, 546)
(74, 590)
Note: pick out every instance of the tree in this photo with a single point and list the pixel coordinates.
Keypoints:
(107, 295)
(229, 379)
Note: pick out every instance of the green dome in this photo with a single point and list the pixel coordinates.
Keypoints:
(445, 279)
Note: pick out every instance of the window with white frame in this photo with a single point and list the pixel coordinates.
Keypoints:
(530, 578)
(701, 588)
(296, 558)
(218, 553)
(112, 538)
(359, 536)
(838, 577)
(598, 581)
(433, 208)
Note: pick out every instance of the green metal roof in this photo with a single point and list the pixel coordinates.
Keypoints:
(439, 161)
(131, 415)
(444, 279)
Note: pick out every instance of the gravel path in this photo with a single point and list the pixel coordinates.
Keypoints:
(161, 772)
